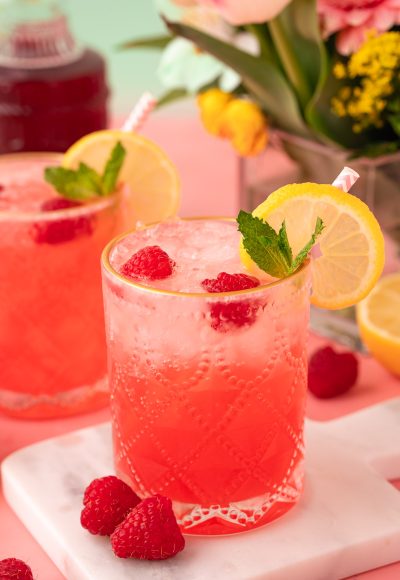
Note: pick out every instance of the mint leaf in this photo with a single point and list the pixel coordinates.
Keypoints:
(302, 255)
(89, 179)
(284, 245)
(59, 178)
(84, 183)
(112, 168)
(264, 245)
(271, 251)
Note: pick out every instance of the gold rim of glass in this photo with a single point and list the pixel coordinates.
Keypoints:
(106, 264)
(94, 206)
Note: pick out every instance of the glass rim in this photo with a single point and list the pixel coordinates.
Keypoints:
(106, 265)
(71, 212)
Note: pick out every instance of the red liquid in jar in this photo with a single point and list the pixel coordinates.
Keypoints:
(52, 92)
(48, 109)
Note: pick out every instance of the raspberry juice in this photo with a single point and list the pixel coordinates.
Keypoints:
(52, 343)
(207, 389)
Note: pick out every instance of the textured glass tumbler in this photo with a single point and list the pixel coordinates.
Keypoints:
(213, 420)
(52, 344)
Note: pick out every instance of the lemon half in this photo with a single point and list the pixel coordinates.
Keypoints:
(378, 318)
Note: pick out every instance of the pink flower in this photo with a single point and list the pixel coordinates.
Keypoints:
(240, 12)
(352, 19)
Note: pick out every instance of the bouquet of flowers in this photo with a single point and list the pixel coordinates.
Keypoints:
(324, 70)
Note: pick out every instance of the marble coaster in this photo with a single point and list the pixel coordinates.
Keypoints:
(347, 521)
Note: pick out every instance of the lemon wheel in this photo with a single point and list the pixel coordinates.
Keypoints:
(154, 188)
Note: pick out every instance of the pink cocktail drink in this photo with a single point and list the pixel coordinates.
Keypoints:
(52, 344)
(208, 389)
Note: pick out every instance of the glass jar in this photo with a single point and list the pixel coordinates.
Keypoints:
(52, 90)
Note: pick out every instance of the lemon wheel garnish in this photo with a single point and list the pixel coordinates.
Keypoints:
(351, 245)
(378, 318)
(154, 188)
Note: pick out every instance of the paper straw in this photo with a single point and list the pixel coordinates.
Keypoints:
(140, 113)
(346, 179)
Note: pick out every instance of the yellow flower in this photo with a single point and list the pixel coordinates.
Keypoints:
(245, 125)
(338, 107)
(212, 104)
(238, 120)
(374, 72)
(339, 70)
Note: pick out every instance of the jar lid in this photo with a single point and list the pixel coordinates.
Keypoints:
(35, 34)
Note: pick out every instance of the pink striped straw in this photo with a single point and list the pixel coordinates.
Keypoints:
(346, 179)
(140, 113)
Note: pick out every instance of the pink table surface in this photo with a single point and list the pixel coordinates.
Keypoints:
(209, 181)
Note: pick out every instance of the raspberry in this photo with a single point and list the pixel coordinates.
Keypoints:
(149, 263)
(56, 203)
(62, 230)
(224, 315)
(107, 500)
(229, 282)
(149, 532)
(331, 373)
(14, 569)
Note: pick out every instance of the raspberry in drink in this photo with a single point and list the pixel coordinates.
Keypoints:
(208, 375)
(52, 344)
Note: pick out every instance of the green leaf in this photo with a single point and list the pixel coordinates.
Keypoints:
(59, 178)
(394, 121)
(262, 78)
(79, 192)
(152, 42)
(330, 127)
(299, 23)
(314, 58)
(112, 168)
(171, 97)
(284, 245)
(306, 60)
(85, 183)
(269, 250)
(267, 47)
(302, 255)
(289, 58)
(262, 243)
(89, 179)
(394, 105)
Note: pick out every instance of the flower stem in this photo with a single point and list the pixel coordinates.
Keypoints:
(289, 61)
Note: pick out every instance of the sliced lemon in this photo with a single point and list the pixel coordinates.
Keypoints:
(378, 318)
(351, 245)
(153, 181)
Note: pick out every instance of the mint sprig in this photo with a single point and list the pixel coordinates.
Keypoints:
(85, 183)
(271, 251)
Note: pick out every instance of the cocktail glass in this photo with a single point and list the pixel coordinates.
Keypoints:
(206, 412)
(52, 343)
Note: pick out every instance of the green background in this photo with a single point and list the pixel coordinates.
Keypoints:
(104, 24)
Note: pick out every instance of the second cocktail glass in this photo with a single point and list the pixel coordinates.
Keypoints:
(52, 344)
(208, 409)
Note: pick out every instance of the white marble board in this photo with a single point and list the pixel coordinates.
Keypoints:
(347, 521)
